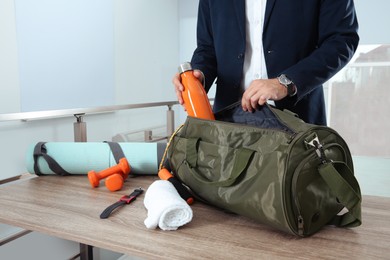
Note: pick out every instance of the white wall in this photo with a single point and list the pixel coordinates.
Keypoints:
(188, 11)
(69, 62)
(374, 19)
(146, 50)
(65, 52)
(9, 76)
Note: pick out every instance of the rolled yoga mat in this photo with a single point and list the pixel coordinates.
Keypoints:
(80, 158)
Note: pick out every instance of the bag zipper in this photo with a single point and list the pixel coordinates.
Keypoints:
(282, 122)
(291, 133)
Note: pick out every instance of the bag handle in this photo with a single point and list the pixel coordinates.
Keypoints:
(345, 187)
(241, 160)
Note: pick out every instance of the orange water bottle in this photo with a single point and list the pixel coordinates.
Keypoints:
(195, 98)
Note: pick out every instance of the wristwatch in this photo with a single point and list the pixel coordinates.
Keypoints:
(285, 81)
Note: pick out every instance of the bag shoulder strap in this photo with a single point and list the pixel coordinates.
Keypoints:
(345, 187)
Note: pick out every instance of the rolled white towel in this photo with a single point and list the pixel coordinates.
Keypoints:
(166, 208)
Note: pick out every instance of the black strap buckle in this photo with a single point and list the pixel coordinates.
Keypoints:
(129, 198)
(122, 201)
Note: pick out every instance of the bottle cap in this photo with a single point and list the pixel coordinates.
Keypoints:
(186, 66)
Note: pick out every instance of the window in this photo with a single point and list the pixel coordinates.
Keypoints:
(358, 103)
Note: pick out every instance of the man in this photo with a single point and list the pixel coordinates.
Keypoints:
(278, 50)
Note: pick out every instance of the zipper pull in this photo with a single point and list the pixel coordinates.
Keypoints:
(313, 141)
(300, 225)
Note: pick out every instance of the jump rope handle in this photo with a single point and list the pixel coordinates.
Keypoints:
(164, 174)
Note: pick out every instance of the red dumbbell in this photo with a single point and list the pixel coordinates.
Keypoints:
(115, 175)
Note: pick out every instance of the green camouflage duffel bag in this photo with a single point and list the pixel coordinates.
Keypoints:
(269, 166)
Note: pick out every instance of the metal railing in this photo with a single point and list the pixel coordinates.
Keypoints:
(80, 134)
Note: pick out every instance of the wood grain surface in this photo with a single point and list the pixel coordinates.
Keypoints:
(68, 208)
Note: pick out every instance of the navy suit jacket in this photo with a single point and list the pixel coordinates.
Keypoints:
(308, 40)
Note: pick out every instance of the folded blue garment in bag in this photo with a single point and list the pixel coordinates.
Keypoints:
(79, 158)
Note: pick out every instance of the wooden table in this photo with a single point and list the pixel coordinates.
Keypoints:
(68, 208)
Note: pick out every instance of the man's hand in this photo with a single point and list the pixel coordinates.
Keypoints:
(261, 90)
(179, 88)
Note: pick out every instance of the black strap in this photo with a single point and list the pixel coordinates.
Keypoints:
(40, 150)
(116, 150)
(107, 212)
(123, 201)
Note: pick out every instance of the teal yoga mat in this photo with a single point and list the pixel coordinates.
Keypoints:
(79, 158)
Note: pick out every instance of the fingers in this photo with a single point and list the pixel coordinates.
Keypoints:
(259, 92)
(178, 88)
(250, 101)
(199, 75)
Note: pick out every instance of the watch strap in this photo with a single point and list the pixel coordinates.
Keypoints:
(122, 201)
(292, 89)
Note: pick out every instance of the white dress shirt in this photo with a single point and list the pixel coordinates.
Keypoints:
(254, 63)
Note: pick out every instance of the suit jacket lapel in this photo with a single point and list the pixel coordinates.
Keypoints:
(240, 14)
(268, 11)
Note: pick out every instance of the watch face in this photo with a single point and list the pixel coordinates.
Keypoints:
(291, 88)
(284, 80)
